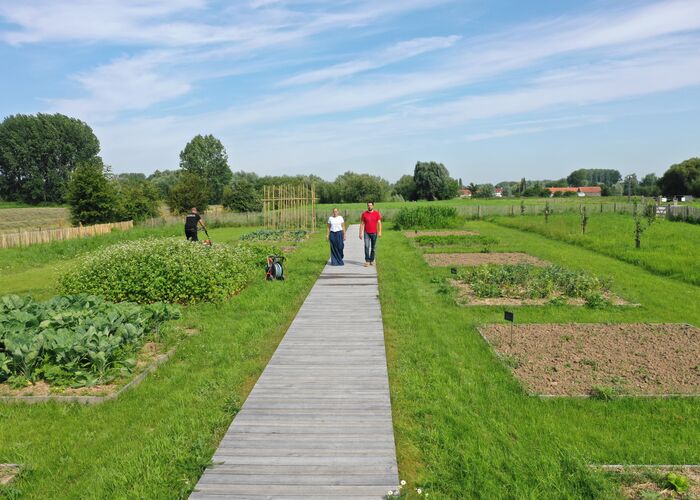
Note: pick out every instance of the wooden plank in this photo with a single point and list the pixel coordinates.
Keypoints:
(318, 421)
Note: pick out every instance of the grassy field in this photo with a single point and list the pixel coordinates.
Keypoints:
(155, 441)
(668, 248)
(20, 218)
(463, 424)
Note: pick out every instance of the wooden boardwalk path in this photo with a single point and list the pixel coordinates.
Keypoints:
(318, 421)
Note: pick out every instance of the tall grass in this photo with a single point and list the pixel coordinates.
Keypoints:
(426, 217)
(667, 248)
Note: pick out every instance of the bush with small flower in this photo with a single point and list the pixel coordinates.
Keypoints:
(165, 270)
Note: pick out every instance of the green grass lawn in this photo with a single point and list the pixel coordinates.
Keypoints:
(155, 440)
(465, 428)
(668, 248)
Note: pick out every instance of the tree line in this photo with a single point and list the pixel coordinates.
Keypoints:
(54, 159)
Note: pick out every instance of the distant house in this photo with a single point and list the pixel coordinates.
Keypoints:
(580, 191)
(499, 192)
(465, 193)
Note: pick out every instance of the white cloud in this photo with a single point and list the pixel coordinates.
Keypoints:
(395, 53)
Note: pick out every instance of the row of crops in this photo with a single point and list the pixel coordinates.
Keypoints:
(112, 300)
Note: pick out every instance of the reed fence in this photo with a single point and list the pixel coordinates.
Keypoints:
(27, 238)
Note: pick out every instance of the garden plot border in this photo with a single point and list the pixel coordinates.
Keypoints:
(415, 234)
(467, 259)
(504, 358)
(8, 473)
(464, 292)
(633, 490)
(93, 400)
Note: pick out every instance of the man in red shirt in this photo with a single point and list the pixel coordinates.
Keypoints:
(370, 228)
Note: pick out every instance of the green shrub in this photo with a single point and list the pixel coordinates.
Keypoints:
(72, 340)
(276, 235)
(427, 217)
(165, 270)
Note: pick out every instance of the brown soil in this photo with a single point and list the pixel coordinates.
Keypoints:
(466, 297)
(7, 473)
(478, 259)
(415, 234)
(149, 352)
(643, 481)
(571, 359)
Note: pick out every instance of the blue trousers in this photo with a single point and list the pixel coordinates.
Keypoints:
(337, 248)
(370, 246)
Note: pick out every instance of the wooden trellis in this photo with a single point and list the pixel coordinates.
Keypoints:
(289, 207)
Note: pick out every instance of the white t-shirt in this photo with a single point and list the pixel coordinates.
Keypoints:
(336, 223)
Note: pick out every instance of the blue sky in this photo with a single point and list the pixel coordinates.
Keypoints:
(494, 89)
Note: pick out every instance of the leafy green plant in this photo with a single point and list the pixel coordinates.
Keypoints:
(604, 393)
(276, 235)
(165, 270)
(677, 482)
(72, 340)
(525, 281)
(427, 217)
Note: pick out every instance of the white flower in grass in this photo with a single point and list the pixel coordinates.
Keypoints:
(403, 483)
(390, 493)
(419, 491)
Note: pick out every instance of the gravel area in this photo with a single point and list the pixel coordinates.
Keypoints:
(478, 259)
(627, 359)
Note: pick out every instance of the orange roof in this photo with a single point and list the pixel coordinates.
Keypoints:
(590, 189)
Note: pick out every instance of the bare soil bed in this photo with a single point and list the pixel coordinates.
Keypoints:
(627, 359)
(415, 234)
(8, 473)
(640, 482)
(478, 259)
(466, 297)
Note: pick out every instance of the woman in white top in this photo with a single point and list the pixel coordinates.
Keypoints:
(336, 235)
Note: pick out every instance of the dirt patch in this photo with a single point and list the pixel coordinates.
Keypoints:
(467, 297)
(478, 259)
(415, 234)
(641, 481)
(8, 473)
(147, 356)
(624, 359)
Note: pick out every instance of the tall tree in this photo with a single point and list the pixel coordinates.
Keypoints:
(433, 181)
(682, 178)
(138, 198)
(241, 196)
(206, 157)
(189, 191)
(406, 188)
(91, 196)
(163, 181)
(355, 187)
(38, 154)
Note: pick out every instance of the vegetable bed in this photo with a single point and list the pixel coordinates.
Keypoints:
(73, 341)
(166, 270)
(531, 285)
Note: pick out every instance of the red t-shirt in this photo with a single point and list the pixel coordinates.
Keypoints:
(370, 219)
